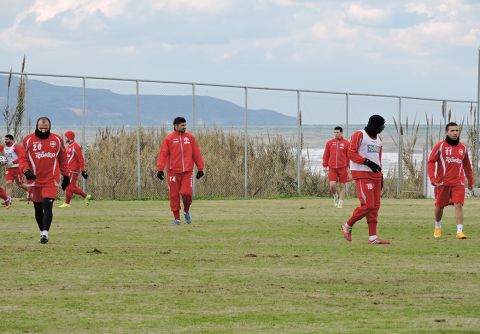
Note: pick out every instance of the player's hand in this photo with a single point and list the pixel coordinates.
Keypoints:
(373, 166)
(200, 174)
(65, 182)
(160, 175)
(437, 184)
(29, 175)
(85, 174)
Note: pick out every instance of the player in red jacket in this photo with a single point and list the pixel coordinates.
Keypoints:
(42, 159)
(365, 154)
(335, 161)
(448, 165)
(76, 166)
(12, 172)
(178, 153)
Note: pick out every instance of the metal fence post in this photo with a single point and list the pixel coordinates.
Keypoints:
(27, 117)
(347, 97)
(84, 183)
(478, 120)
(139, 179)
(299, 145)
(194, 182)
(246, 145)
(400, 148)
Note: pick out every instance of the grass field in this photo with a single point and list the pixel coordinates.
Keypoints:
(256, 266)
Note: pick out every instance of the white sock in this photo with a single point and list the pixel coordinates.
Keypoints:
(372, 237)
(45, 233)
(340, 201)
(459, 228)
(438, 224)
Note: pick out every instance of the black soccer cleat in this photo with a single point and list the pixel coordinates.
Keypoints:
(43, 239)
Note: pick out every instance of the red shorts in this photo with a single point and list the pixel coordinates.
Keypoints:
(338, 175)
(369, 192)
(37, 194)
(448, 195)
(13, 174)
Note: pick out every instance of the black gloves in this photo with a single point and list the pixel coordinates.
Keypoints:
(373, 166)
(85, 174)
(160, 175)
(200, 174)
(65, 182)
(29, 175)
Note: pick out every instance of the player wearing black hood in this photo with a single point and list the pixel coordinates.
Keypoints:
(365, 154)
(42, 159)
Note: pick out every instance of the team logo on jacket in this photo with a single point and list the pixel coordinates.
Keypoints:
(460, 151)
(186, 140)
(175, 141)
(373, 148)
(53, 144)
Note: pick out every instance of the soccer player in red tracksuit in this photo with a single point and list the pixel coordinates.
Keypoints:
(335, 160)
(179, 151)
(448, 165)
(42, 159)
(76, 166)
(365, 154)
(12, 172)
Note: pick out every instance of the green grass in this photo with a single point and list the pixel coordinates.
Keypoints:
(244, 266)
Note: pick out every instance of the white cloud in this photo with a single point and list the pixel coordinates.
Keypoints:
(364, 14)
(201, 6)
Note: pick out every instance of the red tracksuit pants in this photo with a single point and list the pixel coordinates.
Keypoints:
(369, 192)
(72, 188)
(180, 184)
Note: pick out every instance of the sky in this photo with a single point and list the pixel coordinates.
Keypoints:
(424, 48)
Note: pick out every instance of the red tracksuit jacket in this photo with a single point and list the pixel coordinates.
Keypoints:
(45, 158)
(178, 153)
(335, 155)
(76, 163)
(448, 165)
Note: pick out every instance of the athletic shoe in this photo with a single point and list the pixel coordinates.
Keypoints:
(188, 219)
(8, 202)
(43, 239)
(347, 232)
(88, 198)
(378, 241)
(461, 235)
(176, 222)
(335, 199)
(438, 232)
(340, 205)
(64, 205)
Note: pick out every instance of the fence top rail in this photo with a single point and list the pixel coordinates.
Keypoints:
(238, 86)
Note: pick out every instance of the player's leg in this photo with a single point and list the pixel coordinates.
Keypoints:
(7, 201)
(457, 197)
(8, 187)
(360, 212)
(19, 179)
(68, 192)
(341, 195)
(48, 195)
(332, 180)
(75, 189)
(186, 192)
(442, 198)
(174, 193)
(35, 195)
(372, 215)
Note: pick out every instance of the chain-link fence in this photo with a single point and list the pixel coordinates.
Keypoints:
(256, 141)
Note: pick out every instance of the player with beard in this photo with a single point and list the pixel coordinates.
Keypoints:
(365, 154)
(179, 152)
(42, 159)
(448, 165)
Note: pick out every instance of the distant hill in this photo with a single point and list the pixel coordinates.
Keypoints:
(104, 107)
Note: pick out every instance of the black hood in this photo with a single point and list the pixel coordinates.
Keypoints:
(452, 142)
(376, 124)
